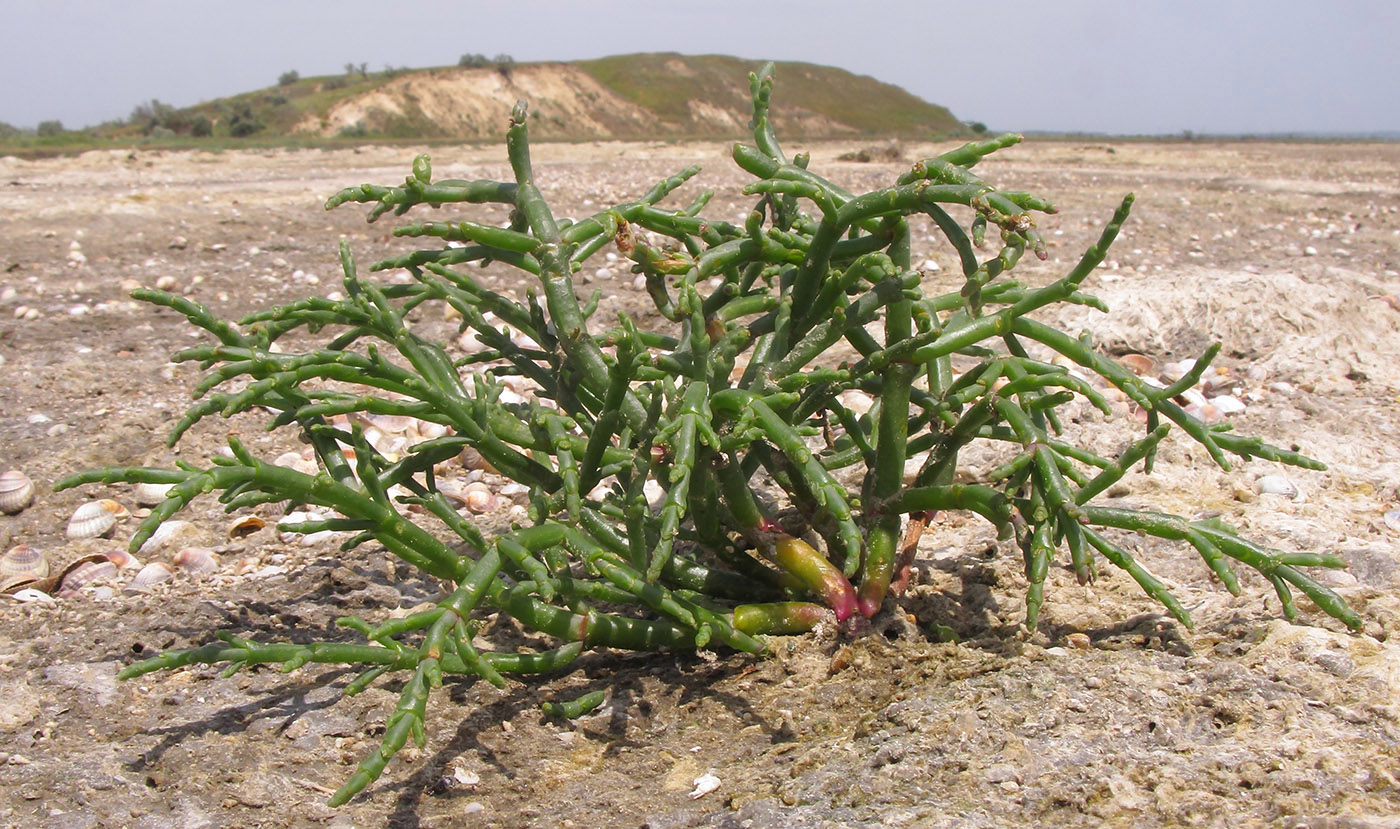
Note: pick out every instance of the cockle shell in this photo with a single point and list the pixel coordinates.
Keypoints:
(124, 560)
(245, 526)
(472, 459)
(95, 519)
(21, 565)
(479, 498)
(148, 495)
(196, 560)
(1138, 364)
(165, 535)
(294, 460)
(153, 573)
(16, 491)
(84, 574)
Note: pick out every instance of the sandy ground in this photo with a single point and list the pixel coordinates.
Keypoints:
(1110, 714)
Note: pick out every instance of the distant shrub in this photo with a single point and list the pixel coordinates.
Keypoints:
(201, 127)
(977, 127)
(9, 130)
(288, 78)
(473, 60)
(162, 132)
(48, 129)
(337, 82)
(243, 122)
(504, 64)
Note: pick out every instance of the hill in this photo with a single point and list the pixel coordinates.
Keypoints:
(628, 96)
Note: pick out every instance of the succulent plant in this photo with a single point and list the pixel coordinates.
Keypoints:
(741, 494)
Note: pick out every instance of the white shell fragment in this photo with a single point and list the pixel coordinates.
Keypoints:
(16, 491)
(1227, 404)
(95, 519)
(1392, 520)
(1278, 485)
(704, 784)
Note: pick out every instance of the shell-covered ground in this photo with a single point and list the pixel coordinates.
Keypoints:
(1110, 713)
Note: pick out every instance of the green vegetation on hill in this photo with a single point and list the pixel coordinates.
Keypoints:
(655, 81)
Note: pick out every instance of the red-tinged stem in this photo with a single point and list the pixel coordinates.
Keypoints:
(816, 574)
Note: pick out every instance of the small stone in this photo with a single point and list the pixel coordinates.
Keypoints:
(1309, 251)
(167, 283)
(179, 243)
(1003, 773)
(1078, 641)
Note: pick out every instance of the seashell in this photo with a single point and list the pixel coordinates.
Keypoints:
(196, 560)
(25, 559)
(428, 430)
(471, 343)
(123, 560)
(1227, 404)
(30, 594)
(22, 565)
(152, 574)
(1278, 485)
(1138, 364)
(165, 535)
(245, 526)
(84, 574)
(95, 519)
(148, 495)
(1392, 520)
(471, 458)
(512, 489)
(394, 424)
(704, 784)
(309, 539)
(16, 491)
(479, 498)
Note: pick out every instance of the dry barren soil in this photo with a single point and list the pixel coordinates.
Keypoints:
(1111, 713)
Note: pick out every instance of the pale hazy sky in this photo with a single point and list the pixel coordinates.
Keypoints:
(1133, 66)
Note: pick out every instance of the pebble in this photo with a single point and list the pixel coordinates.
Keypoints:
(1392, 520)
(1309, 251)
